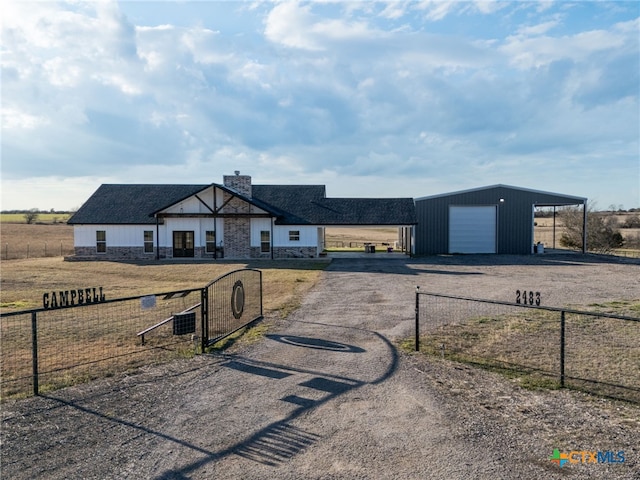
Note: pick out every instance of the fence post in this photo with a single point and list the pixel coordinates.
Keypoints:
(34, 351)
(562, 342)
(204, 313)
(260, 275)
(417, 319)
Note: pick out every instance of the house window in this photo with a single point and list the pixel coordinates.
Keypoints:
(211, 241)
(101, 241)
(294, 235)
(148, 241)
(265, 241)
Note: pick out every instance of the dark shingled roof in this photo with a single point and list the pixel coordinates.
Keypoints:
(290, 204)
(130, 204)
(364, 211)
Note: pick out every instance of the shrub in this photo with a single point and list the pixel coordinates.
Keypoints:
(31, 216)
(632, 222)
(602, 236)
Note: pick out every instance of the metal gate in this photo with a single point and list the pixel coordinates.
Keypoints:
(229, 303)
(80, 335)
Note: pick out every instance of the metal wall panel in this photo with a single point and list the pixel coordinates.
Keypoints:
(514, 208)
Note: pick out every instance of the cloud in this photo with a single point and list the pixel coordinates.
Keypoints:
(435, 9)
(316, 90)
(293, 25)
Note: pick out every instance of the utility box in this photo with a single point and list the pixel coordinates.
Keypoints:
(184, 323)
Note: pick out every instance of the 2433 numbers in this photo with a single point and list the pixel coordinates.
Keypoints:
(527, 297)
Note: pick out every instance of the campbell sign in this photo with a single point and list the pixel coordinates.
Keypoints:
(68, 298)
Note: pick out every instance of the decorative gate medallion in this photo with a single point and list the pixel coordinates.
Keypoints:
(237, 299)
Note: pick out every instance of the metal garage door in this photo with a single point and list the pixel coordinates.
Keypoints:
(472, 229)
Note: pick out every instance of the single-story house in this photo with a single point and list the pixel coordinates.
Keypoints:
(493, 219)
(235, 220)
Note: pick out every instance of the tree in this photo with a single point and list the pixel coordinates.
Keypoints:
(632, 222)
(602, 234)
(31, 216)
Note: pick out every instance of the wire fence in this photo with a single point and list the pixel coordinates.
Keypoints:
(36, 250)
(591, 351)
(63, 343)
(49, 349)
(625, 252)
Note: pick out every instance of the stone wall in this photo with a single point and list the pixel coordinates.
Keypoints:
(134, 253)
(113, 253)
(240, 183)
(137, 253)
(286, 252)
(237, 231)
(237, 237)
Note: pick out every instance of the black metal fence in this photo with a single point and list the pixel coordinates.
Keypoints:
(596, 352)
(49, 348)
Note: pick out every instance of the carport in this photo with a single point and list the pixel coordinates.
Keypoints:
(363, 214)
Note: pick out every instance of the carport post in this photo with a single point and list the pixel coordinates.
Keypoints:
(417, 319)
(584, 227)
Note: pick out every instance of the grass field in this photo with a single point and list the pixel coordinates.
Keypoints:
(544, 232)
(356, 237)
(20, 240)
(601, 353)
(77, 345)
(42, 218)
(24, 281)
(65, 342)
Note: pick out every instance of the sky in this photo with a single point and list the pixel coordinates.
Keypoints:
(371, 99)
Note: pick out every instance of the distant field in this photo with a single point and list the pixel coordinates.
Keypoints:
(544, 232)
(19, 240)
(42, 218)
(355, 237)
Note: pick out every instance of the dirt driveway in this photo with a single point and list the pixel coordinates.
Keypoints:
(327, 395)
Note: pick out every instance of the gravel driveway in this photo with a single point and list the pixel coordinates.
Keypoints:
(327, 395)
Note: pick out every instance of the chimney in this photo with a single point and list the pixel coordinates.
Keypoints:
(239, 183)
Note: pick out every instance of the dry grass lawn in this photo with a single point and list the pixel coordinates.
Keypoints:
(23, 282)
(19, 240)
(77, 345)
(526, 345)
(353, 234)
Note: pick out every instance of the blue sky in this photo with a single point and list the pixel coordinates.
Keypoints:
(388, 99)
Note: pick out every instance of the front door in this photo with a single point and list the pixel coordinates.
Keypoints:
(183, 244)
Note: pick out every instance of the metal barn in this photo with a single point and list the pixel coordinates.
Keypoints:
(493, 219)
